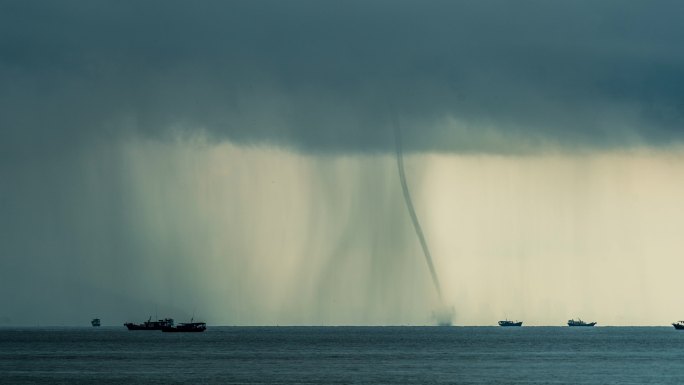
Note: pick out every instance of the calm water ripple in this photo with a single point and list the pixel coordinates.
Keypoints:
(344, 355)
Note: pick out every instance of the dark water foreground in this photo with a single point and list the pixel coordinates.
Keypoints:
(344, 355)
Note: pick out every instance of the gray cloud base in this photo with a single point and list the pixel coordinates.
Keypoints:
(493, 76)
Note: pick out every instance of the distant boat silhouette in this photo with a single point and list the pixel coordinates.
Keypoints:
(679, 325)
(189, 327)
(510, 323)
(579, 322)
(95, 322)
(150, 325)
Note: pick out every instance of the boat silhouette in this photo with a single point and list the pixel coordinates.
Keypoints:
(189, 327)
(579, 322)
(150, 325)
(506, 323)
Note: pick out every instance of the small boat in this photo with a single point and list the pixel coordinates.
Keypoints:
(579, 322)
(150, 325)
(679, 325)
(190, 327)
(95, 322)
(510, 323)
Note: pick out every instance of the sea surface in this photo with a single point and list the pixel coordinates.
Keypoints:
(344, 355)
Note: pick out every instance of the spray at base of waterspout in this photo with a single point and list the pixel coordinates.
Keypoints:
(444, 315)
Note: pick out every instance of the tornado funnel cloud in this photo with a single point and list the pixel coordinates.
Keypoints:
(412, 210)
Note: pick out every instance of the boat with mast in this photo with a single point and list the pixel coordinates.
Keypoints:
(150, 325)
(188, 327)
(579, 322)
(506, 323)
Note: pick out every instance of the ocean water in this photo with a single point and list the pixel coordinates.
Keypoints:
(344, 355)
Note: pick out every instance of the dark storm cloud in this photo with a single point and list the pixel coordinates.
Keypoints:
(319, 76)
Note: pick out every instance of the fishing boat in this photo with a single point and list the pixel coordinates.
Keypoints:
(95, 322)
(189, 327)
(679, 325)
(150, 325)
(506, 323)
(579, 322)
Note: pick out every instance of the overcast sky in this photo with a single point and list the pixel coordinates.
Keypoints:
(141, 140)
(318, 76)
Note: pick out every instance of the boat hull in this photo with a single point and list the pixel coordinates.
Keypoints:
(192, 327)
(510, 324)
(678, 326)
(142, 327)
(590, 324)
